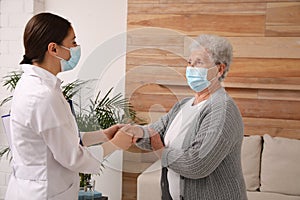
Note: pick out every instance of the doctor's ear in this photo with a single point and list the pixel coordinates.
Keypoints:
(52, 48)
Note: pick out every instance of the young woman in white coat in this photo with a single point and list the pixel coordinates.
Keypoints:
(46, 150)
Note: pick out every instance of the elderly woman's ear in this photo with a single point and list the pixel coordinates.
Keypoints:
(221, 68)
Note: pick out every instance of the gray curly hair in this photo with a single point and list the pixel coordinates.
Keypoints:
(219, 49)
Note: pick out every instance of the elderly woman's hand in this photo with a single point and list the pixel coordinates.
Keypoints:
(156, 143)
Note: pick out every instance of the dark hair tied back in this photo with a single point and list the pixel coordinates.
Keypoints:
(41, 30)
(26, 60)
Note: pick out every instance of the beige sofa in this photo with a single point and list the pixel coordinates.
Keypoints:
(271, 167)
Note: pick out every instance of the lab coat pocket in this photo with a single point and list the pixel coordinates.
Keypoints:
(70, 193)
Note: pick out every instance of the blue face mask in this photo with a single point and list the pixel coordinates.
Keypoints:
(197, 78)
(70, 64)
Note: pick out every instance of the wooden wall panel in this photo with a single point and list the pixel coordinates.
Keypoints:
(222, 1)
(287, 14)
(261, 47)
(136, 60)
(244, 47)
(241, 67)
(283, 19)
(264, 79)
(265, 69)
(274, 127)
(199, 8)
(272, 109)
(191, 24)
(288, 31)
(266, 47)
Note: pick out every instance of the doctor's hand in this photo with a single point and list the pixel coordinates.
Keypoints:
(111, 131)
(100, 136)
(122, 140)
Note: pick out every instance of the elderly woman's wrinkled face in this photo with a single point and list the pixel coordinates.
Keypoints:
(200, 58)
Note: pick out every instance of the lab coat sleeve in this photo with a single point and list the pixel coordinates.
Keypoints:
(65, 147)
(54, 121)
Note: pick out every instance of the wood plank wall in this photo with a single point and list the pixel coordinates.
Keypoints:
(264, 78)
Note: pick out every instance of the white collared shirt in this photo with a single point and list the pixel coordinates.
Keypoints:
(45, 142)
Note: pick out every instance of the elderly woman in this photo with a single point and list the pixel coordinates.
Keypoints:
(199, 139)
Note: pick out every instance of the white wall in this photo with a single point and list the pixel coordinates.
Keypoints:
(95, 22)
(100, 28)
(13, 16)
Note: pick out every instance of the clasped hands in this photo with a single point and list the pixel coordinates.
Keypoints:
(124, 135)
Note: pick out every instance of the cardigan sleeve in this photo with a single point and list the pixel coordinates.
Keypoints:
(218, 130)
(160, 126)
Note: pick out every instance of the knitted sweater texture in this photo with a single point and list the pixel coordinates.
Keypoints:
(209, 161)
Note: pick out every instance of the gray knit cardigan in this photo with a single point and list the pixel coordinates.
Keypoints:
(209, 161)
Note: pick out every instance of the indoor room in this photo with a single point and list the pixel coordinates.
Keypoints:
(137, 65)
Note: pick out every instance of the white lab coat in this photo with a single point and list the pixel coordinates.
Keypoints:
(47, 156)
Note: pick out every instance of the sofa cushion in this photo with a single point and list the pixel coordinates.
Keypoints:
(251, 151)
(280, 169)
(148, 183)
(270, 196)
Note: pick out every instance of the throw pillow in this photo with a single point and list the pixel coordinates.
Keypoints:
(251, 151)
(280, 166)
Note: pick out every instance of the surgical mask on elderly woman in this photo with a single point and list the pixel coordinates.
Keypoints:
(197, 78)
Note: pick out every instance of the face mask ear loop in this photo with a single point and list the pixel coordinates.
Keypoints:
(219, 65)
(215, 76)
(217, 70)
(60, 58)
(65, 47)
